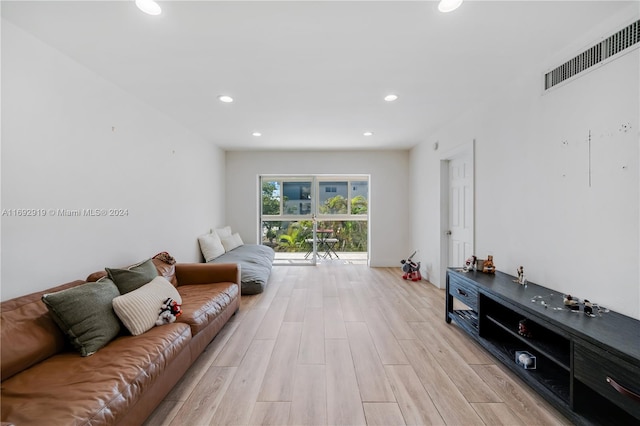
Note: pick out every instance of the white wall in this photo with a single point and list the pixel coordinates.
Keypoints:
(534, 205)
(389, 203)
(71, 140)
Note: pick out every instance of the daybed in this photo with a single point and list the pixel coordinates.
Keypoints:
(256, 261)
(63, 378)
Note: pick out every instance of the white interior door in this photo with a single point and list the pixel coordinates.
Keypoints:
(461, 214)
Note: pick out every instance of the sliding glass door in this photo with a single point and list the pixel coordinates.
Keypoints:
(310, 218)
(343, 206)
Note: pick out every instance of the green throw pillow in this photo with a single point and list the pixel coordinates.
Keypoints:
(85, 314)
(133, 277)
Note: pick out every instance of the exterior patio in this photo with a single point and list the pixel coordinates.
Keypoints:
(298, 258)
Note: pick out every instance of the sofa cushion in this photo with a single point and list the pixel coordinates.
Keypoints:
(255, 263)
(232, 242)
(211, 246)
(139, 309)
(201, 303)
(103, 387)
(26, 322)
(134, 276)
(85, 314)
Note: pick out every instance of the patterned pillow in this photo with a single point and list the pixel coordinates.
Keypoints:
(139, 309)
(85, 314)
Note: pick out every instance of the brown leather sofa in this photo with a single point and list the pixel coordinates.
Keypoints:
(46, 382)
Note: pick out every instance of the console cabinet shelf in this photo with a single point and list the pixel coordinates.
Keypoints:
(586, 367)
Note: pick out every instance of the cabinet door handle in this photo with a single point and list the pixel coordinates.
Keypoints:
(461, 293)
(621, 389)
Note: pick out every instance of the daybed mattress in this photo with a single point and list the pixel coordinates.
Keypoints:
(255, 265)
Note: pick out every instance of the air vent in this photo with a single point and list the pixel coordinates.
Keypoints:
(623, 39)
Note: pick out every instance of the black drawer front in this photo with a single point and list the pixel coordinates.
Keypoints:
(463, 292)
(604, 372)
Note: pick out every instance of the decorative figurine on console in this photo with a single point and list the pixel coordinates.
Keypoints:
(470, 264)
(489, 267)
(523, 328)
(588, 308)
(522, 278)
(525, 360)
(571, 303)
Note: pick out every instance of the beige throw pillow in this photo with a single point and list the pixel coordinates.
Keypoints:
(211, 246)
(224, 232)
(139, 309)
(232, 242)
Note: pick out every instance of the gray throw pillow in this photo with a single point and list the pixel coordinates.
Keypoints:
(85, 314)
(133, 277)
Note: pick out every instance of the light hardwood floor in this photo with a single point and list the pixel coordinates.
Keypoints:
(343, 344)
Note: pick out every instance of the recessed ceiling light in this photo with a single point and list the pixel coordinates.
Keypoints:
(449, 5)
(225, 98)
(368, 133)
(149, 7)
(256, 134)
(390, 98)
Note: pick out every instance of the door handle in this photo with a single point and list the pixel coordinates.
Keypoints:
(449, 232)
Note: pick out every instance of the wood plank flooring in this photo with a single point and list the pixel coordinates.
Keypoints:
(341, 344)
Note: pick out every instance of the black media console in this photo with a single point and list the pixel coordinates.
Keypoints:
(586, 367)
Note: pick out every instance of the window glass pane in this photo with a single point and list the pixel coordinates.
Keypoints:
(333, 197)
(270, 197)
(287, 236)
(297, 198)
(352, 236)
(359, 201)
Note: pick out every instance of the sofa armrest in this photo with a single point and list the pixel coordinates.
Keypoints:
(207, 273)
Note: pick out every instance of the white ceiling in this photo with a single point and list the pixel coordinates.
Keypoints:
(311, 75)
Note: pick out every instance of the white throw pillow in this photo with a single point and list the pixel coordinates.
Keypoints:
(232, 242)
(224, 232)
(211, 246)
(139, 309)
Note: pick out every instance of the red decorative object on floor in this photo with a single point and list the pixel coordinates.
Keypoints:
(411, 269)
